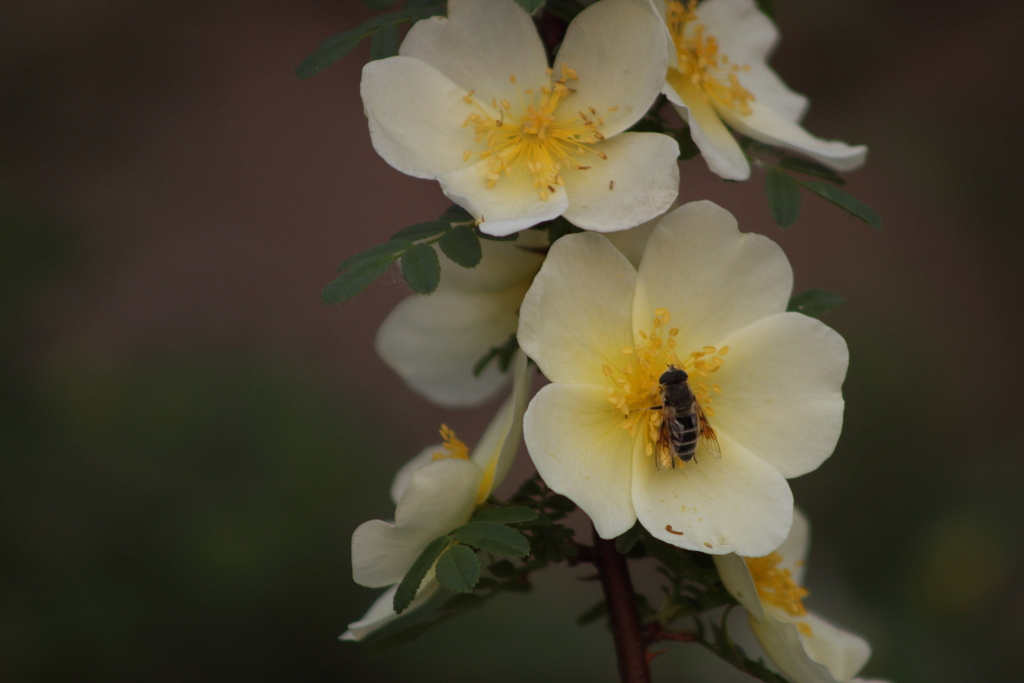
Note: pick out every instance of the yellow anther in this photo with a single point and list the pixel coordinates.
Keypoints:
(453, 448)
(512, 78)
(775, 585)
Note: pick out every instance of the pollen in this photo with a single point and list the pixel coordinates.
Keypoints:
(534, 134)
(452, 446)
(635, 384)
(775, 585)
(701, 62)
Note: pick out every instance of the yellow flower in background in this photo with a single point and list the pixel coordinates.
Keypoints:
(712, 302)
(435, 493)
(718, 75)
(471, 101)
(805, 647)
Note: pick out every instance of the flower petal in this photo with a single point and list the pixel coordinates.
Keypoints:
(735, 504)
(633, 241)
(735, 575)
(768, 125)
(713, 279)
(844, 653)
(577, 442)
(781, 391)
(499, 444)
(748, 37)
(503, 266)
(796, 546)
(512, 204)
(415, 115)
(781, 642)
(638, 181)
(618, 48)
(479, 45)
(575, 318)
(830, 654)
(404, 474)
(382, 612)
(440, 497)
(717, 145)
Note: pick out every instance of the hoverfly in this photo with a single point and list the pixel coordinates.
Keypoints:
(683, 423)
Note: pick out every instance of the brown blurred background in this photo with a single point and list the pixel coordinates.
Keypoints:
(188, 438)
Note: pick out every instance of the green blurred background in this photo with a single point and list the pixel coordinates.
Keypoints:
(188, 438)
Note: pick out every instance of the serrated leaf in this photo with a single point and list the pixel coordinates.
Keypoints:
(844, 200)
(354, 280)
(458, 569)
(462, 246)
(456, 214)
(384, 42)
(531, 6)
(390, 249)
(808, 167)
(783, 197)
(509, 515)
(493, 538)
(504, 353)
(561, 503)
(421, 231)
(421, 268)
(626, 541)
(593, 614)
(410, 584)
(330, 51)
(815, 302)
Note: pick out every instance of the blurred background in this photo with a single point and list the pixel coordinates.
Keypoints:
(188, 437)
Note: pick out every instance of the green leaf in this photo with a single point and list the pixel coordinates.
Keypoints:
(504, 353)
(384, 42)
(389, 250)
(564, 9)
(502, 569)
(531, 6)
(462, 246)
(509, 515)
(458, 569)
(815, 302)
(783, 197)
(768, 7)
(354, 280)
(687, 147)
(456, 214)
(330, 51)
(421, 268)
(559, 227)
(421, 231)
(493, 538)
(410, 584)
(844, 200)
(626, 541)
(808, 167)
(379, 4)
(593, 614)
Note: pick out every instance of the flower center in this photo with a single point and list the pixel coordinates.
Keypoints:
(531, 134)
(636, 386)
(775, 585)
(452, 447)
(702, 64)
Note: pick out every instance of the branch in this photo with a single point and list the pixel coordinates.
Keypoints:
(630, 639)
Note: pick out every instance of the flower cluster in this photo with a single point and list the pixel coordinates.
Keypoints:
(684, 389)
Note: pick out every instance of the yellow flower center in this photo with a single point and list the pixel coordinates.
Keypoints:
(636, 387)
(452, 447)
(531, 133)
(702, 64)
(775, 585)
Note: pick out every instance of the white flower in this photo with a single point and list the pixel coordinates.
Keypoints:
(718, 74)
(470, 101)
(433, 342)
(435, 493)
(806, 648)
(711, 301)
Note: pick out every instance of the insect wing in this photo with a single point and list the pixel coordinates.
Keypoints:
(707, 433)
(664, 453)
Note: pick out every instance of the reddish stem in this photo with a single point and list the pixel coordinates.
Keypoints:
(630, 639)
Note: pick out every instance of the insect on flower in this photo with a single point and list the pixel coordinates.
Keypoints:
(683, 423)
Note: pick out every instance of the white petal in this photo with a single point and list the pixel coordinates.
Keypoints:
(844, 653)
(415, 116)
(767, 125)
(479, 45)
(717, 145)
(781, 641)
(830, 654)
(781, 391)
(748, 37)
(795, 548)
(382, 612)
(440, 497)
(735, 504)
(511, 205)
(713, 279)
(576, 317)
(735, 575)
(433, 342)
(618, 48)
(577, 442)
(632, 242)
(499, 444)
(638, 181)
(404, 474)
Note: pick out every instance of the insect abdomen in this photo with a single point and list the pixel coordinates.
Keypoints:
(685, 434)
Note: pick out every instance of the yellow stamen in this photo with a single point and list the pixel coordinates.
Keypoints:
(453, 448)
(775, 585)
